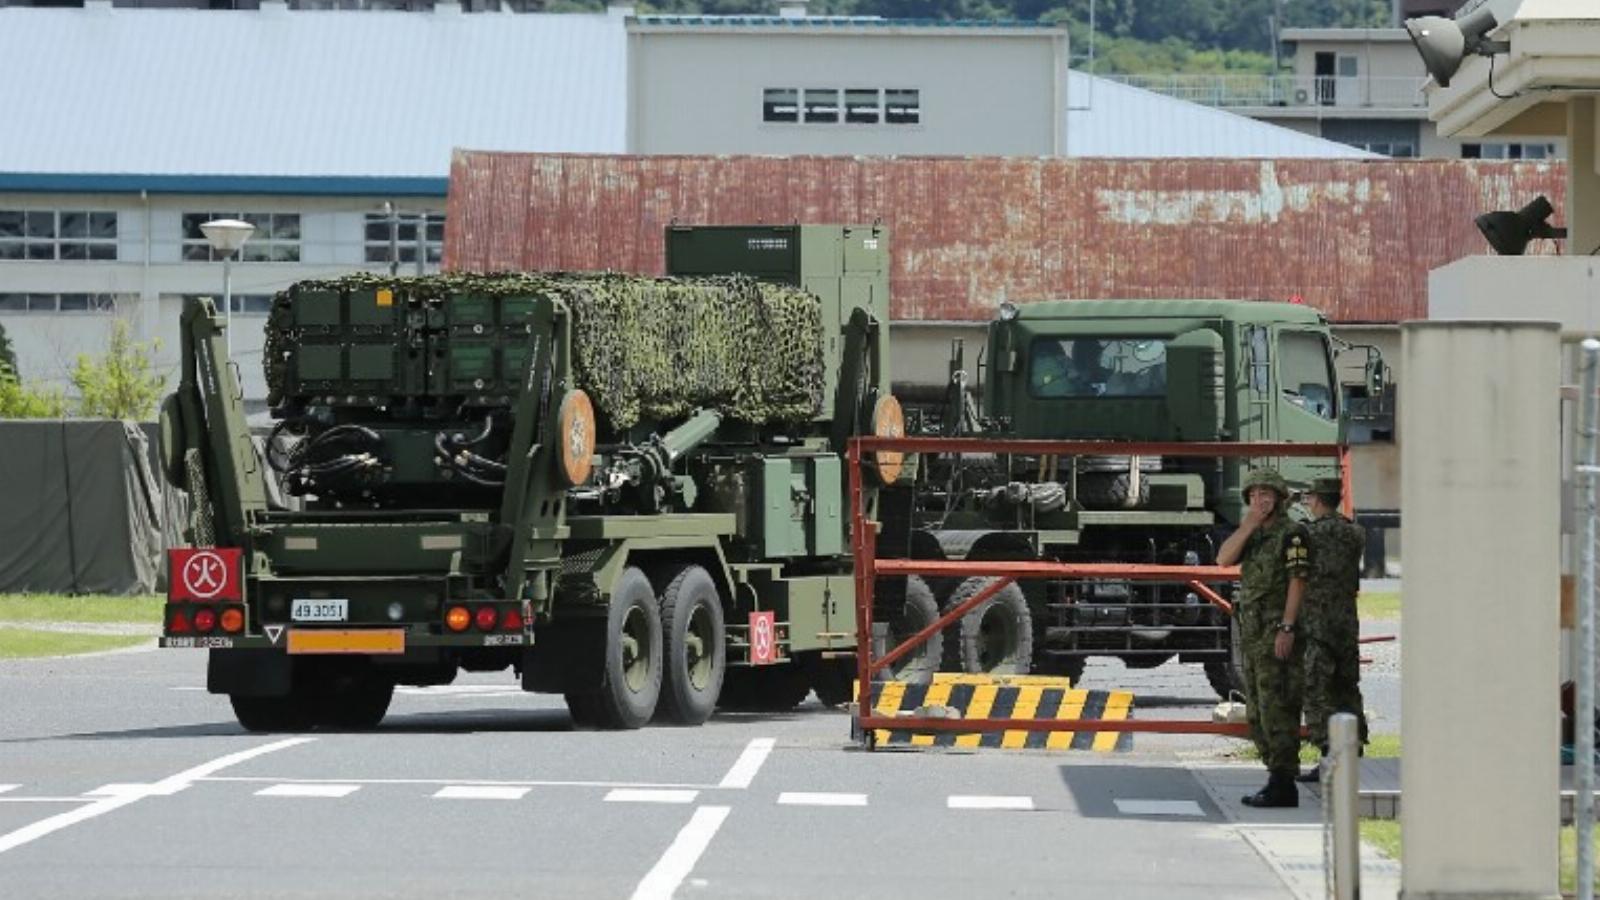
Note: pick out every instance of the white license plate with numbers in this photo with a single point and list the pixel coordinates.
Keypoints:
(319, 609)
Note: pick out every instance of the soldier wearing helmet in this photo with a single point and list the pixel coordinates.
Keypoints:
(1332, 632)
(1274, 558)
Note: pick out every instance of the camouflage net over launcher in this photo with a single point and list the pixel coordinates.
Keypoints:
(645, 347)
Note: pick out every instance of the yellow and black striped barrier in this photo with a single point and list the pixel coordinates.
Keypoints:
(1004, 697)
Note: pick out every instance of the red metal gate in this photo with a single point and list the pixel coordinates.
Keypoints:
(863, 535)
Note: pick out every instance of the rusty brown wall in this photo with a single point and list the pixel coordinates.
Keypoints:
(1353, 238)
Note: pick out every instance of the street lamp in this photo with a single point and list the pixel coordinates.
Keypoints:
(226, 236)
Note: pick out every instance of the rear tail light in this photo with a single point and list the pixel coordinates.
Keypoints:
(232, 620)
(511, 621)
(205, 619)
(179, 623)
(486, 618)
(457, 618)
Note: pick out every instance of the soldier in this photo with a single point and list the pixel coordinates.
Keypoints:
(1331, 630)
(1274, 557)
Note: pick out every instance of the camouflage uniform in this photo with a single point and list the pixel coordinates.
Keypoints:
(1329, 625)
(1277, 551)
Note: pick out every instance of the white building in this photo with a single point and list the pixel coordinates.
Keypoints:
(308, 122)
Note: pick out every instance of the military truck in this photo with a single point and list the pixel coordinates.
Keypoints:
(1125, 371)
(628, 490)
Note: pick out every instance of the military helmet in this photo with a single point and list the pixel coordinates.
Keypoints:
(1329, 486)
(1268, 478)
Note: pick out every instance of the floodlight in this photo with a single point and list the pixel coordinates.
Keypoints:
(1509, 232)
(1443, 43)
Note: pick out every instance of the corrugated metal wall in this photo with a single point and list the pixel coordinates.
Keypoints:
(1354, 238)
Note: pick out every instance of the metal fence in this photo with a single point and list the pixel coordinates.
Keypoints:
(1285, 90)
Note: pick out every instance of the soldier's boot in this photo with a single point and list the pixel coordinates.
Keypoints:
(1280, 793)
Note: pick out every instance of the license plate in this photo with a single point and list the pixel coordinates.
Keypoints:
(319, 609)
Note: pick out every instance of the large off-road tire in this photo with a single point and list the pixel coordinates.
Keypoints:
(908, 608)
(270, 714)
(775, 688)
(630, 675)
(696, 647)
(1101, 490)
(356, 705)
(1227, 675)
(996, 637)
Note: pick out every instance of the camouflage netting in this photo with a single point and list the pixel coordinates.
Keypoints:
(651, 348)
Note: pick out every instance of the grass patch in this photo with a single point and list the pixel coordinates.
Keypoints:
(141, 609)
(1371, 605)
(25, 643)
(1379, 746)
(1383, 834)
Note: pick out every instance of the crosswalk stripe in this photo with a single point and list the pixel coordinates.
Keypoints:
(980, 801)
(8, 787)
(309, 790)
(804, 798)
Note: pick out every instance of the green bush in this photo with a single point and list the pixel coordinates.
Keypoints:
(121, 383)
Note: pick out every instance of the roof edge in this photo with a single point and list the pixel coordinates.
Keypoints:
(301, 185)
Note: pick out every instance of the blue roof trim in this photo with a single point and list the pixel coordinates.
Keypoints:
(839, 22)
(340, 185)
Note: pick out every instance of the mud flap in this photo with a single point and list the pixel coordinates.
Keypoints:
(250, 673)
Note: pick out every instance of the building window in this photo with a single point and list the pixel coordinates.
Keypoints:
(1508, 151)
(377, 237)
(780, 105)
(49, 303)
(276, 238)
(902, 106)
(1348, 66)
(58, 235)
(822, 105)
(243, 304)
(861, 106)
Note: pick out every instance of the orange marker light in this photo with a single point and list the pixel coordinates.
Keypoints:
(232, 620)
(458, 618)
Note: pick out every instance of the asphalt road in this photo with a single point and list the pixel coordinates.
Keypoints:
(121, 777)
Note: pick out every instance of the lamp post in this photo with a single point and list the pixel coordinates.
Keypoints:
(226, 236)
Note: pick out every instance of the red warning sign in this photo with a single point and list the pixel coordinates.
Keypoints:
(763, 638)
(210, 574)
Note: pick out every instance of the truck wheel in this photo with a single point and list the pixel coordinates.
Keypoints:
(908, 610)
(358, 705)
(995, 638)
(1227, 675)
(630, 679)
(696, 647)
(259, 714)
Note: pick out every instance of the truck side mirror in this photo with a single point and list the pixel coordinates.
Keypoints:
(1377, 377)
(1195, 383)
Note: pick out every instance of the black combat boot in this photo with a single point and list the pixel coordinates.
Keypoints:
(1280, 793)
(1315, 775)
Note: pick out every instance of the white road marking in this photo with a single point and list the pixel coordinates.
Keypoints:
(309, 790)
(635, 795)
(136, 790)
(748, 764)
(187, 687)
(1158, 807)
(676, 864)
(462, 690)
(261, 779)
(47, 799)
(8, 787)
(981, 801)
(802, 798)
(30, 833)
(480, 792)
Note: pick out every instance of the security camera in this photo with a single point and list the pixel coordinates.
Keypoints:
(1509, 232)
(1443, 43)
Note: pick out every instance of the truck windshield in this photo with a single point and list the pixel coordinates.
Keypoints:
(1097, 367)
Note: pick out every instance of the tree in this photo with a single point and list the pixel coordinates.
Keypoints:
(121, 383)
(8, 355)
(20, 401)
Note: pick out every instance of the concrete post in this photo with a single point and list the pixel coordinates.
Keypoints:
(1480, 490)
(1583, 176)
(1344, 793)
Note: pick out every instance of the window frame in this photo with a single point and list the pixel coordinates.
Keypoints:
(1330, 372)
(40, 236)
(264, 246)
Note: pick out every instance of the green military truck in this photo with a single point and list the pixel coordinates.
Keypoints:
(627, 489)
(1125, 371)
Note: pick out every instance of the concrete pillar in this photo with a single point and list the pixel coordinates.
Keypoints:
(1583, 176)
(1480, 460)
